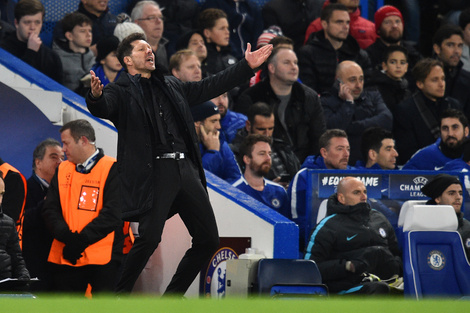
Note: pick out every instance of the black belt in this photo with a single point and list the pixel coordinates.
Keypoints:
(173, 155)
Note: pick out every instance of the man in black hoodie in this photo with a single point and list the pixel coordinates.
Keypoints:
(353, 240)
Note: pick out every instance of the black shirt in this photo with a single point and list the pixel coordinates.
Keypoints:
(166, 135)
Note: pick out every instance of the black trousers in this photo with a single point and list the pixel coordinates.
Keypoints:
(178, 190)
(102, 278)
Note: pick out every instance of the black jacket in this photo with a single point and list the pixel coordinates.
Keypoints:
(457, 85)
(11, 261)
(37, 239)
(409, 127)
(353, 233)
(217, 61)
(122, 103)
(303, 116)
(44, 60)
(318, 60)
(392, 91)
(369, 110)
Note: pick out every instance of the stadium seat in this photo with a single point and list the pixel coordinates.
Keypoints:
(401, 219)
(434, 260)
(289, 278)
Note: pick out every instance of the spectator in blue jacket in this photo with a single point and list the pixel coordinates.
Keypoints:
(256, 151)
(449, 146)
(378, 150)
(217, 157)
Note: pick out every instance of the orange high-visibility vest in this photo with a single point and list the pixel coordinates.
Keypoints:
(5, 168)
(81, 200)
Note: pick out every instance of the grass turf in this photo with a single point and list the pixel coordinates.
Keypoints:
(71, 304)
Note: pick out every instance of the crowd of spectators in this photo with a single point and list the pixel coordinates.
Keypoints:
(339, 91)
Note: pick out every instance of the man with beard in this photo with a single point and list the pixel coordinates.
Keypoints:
(416, 120)
(284, 162)
(389, 26)
(352, 240)
(325, 49)
(256, 151)
(217, 157)
(349, 107)
(448, 47)
(454, 131)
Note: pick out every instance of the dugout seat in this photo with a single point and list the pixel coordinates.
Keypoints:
(289, 278)
(434, 260)
(401, 218)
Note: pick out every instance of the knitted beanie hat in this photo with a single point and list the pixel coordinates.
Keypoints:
(124, 29)
(204, 110)
(383, 12)
(267, 35)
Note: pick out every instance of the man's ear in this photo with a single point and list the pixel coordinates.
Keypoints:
(420, 85)
(323, 152)
(436, 48)
(15, 22)
(466, 130)
(248, 126)
(324, 24)
(340, 198)
(372, 155)
(174, 72)
(246, 159)
(127, 60)
(207, 34)
(68, 35)
(271, 68)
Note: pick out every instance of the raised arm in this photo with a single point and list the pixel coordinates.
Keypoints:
(256, 58)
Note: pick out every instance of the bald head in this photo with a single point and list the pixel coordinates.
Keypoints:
(351, 191)
(350, 74)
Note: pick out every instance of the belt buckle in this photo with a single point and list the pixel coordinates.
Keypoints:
(177, 156)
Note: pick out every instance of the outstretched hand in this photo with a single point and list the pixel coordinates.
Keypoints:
(96, 85)
(256, 58)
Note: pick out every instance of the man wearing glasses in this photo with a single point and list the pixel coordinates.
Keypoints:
(148, 15)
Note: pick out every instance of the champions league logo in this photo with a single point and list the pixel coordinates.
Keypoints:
(415, 190)
(436, 260)
(406, 186)
(214, 284)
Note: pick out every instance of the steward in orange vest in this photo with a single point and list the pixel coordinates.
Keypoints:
(15, 195)
(82, 211)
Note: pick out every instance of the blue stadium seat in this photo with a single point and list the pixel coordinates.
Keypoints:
(434, 260)
(289, 278)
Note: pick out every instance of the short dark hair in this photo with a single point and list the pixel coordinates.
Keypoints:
(423, 67)
(394, 48)
(327, 11)
(70, 20)
(79, 128)
(325, 138)
(259, 108)
(444, 32)
(208, 17)
(125, 47)
(464, 18)
(281, 40)
(454, 113)
(274, 54)
(40, 150)
(28, 7)
(179, 57)
(372, 139)
(246, 147)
